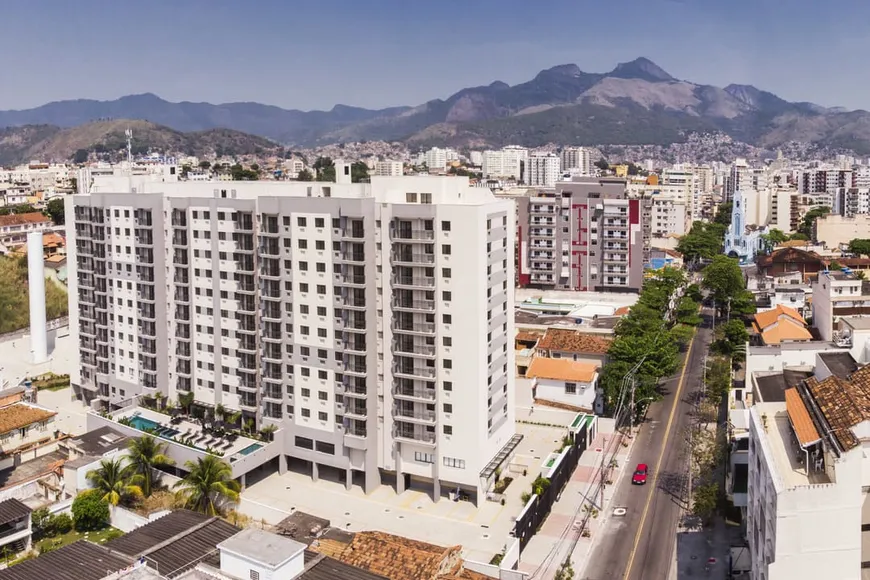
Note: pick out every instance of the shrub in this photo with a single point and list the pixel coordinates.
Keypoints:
(40, 521)
(90, 512)
(62, 523)
(540, 485)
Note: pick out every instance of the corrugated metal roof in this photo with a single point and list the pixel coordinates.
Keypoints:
(80, 560)
(11, 510)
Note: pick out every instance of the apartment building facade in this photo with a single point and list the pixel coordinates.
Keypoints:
(544, 169)
(511, 161)
(368, 322)
(824, 180)
(588, 235)
(578, 159)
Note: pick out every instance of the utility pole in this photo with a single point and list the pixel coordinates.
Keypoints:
(631, 409)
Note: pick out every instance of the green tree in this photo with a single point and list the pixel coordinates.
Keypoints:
(39, 521)
(860, 246)
(204, 165)
(724, 279)
(54, 209)
(305, 175)
(255, 167)
(835, 265)
(111, 480)
(602, 164)
(146, 455)
(80, 156)
(185, 401)
(208, 485)
(687, 312)
(359, 172)
(89, 511)
(703, 241)
(706, 500)
(325, 169)
(773, 238)
(806, 225)
(723, 213)
(730, 336)
(693, 291)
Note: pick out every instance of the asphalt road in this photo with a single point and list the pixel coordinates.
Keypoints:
(640, 545)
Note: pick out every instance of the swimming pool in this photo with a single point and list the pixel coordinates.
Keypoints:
(145, 424)
(250, 449)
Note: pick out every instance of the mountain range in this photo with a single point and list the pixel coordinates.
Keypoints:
(635, 103)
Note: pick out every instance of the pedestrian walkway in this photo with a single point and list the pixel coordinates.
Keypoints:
(581, 500)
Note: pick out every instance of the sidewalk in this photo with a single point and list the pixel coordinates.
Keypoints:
(548, 548)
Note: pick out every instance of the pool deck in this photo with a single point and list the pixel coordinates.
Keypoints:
(191, 429)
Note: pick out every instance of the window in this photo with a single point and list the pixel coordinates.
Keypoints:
(303, 244)
(306, 413)
(323, 447)
(321, 311)
(445, 272)
(303, 309)
(255, 575)
(570, 388)
(445, 226)
(448, 385)
(321, 267)
(303, 266)
(303, 287)
(318, 222)
(445, 249)
(302, 442)
(447, 319)
(448, 429)
(301, 222)
(447, 341)
(321, 289)
(448, 364)
(304, 330)
(455, 463)
(448, 408)
(421, 457)
(322, 375)
(411, 198)
(446, 296)
(323, 416)
(321, 332)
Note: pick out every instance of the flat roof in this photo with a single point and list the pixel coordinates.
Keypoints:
(840, 364)
(784, 452)
(771, 386)
(100, 441)
(857, 322)
(262, 547)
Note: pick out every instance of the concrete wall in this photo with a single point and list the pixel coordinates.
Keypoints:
(554, 390)
(127, 521)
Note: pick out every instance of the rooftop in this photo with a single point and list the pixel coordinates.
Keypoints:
(262, 547)
(18, 219)
(800, 419)
(772, 386)
(564, 340)
(857, 322)
(100, 441)
(33, 469)
(176, 542)
(840, 364)
(844, 403)
(302, 527)
(320, 567)
(561, 369)
(80, 560)
(11, 510)
(20, 415)
(787, 458)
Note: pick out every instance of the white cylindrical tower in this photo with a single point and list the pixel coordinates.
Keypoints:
(36, 283)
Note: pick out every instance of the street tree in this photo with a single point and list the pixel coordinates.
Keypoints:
(724, 279)
(860, 246)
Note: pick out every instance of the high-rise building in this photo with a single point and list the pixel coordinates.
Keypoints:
(508, 162)
(544, 170)
(829, 181)
(588, 235)
(577, 158)
(370, 322)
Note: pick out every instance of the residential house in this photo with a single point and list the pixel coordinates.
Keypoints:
(783, 260)
(574, 345)
(15, 526)
(835, 294)
(15, 227)
(55, 269)
(23, 426)
(781, 324)
(566, 383)
(525, 342)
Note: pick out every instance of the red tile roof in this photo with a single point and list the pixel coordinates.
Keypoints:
(563, 340)
(18, 219)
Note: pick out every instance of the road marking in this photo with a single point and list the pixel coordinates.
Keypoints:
(661, 456)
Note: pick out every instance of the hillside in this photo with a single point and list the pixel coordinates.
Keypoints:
(21, 144)
(635, 103)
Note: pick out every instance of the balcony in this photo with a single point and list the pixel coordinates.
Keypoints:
(353, 233)
(411, 327)
(537, 209)
(414, 436)
(354, 410)
(541, 233)
(414, 349)
(411, 234)
(354, 346)
(412, 258)
(353, 257)
(414, 394)
(414, 281)
(414, 372)
(350, 280)
(413, 413)
(413, 305)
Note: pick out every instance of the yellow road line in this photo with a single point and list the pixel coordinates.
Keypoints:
(661, 456)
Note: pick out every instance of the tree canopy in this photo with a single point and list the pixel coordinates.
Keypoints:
(806, 225)
(55, 210)
(723, 214)
(860, 246)
(704, 241)
(359, 172)
(324, 168)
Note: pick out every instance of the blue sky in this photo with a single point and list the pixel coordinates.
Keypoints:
(315, 53)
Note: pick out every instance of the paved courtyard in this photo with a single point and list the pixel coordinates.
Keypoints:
(482, 531)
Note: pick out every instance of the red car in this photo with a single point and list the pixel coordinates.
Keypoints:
(639, 476)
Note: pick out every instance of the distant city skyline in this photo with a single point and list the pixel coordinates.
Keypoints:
(312, 54)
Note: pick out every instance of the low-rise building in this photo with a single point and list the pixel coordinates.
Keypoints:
(780, 324)
(836, 294)
(22, 426)
(566, 383)
(573, 345)
(15, 526)
(15, 227)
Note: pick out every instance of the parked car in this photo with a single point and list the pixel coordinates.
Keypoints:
(640, 473)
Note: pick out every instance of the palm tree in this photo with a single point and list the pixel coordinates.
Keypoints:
(111, 480)
(146, 454)
(185, 400)
(208, 484)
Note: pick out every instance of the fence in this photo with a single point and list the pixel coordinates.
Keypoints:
(539, 506)
(54, 324)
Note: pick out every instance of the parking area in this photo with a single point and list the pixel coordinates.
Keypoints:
(481, 530)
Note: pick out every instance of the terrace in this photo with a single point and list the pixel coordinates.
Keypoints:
(210, 438)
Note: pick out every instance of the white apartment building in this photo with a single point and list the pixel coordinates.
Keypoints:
(837, 294)
(807, 507)
(577, 158)
(743, 177)
(824, 180)
(852, 201)
(861, 176)
(388, 168)
(671, 207)
(544, 169)
(833, 230)
(370, 322)
(511, 161)
(437, 159)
